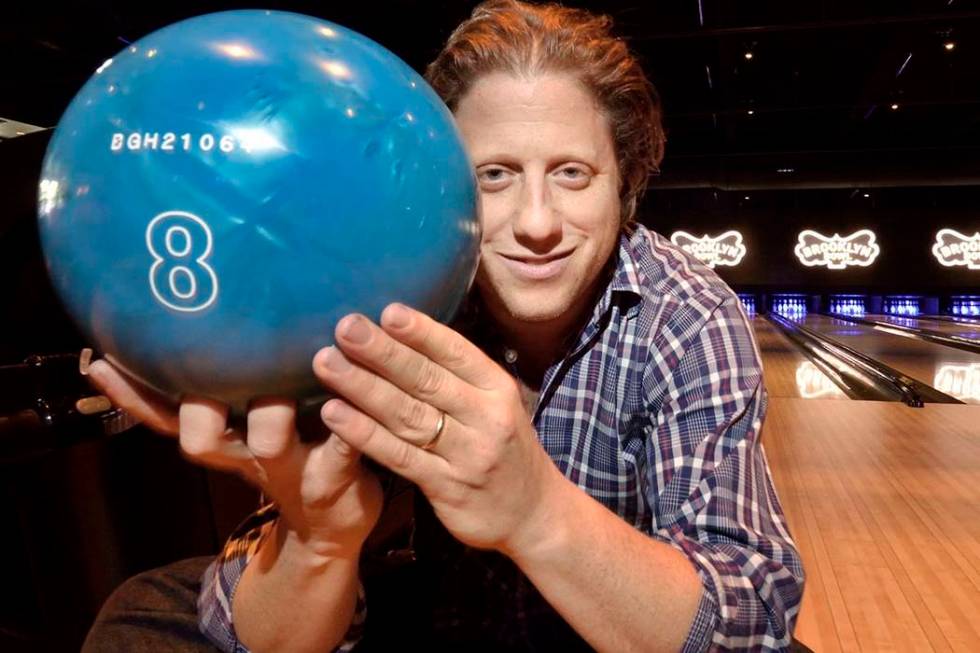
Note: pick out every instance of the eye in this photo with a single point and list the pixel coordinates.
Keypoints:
(493, 177)
(573, 176)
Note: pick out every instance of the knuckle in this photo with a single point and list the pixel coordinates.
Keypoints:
(478, 477)
(430, 380)
(411, 414)
(455, 491)
(370, 384)
(368, 435)
(403, 455)
(501, 422)
(456, 352)
(389, 352)
(317, 490)
(479, 473)
(486, 463)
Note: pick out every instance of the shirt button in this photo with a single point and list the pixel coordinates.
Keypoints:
(510, 356)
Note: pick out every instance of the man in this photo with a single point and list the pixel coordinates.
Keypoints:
(587, 443)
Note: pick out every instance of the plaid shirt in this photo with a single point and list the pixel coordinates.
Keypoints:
(656, 412)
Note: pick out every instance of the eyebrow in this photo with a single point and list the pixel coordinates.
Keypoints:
(503, 158)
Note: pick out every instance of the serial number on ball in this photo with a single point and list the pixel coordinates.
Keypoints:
(171, 142)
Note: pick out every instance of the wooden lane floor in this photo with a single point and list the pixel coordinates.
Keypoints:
(788, 372)
(883, 501)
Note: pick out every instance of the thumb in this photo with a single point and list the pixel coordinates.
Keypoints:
(342, 451)
(337, 457)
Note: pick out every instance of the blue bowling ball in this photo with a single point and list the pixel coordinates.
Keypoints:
(220, 193)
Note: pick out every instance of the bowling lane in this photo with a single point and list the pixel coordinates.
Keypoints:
(961, 329)
(882, 501)
(787, 371)
(953, 371)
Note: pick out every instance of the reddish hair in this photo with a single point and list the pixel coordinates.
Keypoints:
(524, 39)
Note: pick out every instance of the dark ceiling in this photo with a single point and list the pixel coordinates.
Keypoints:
(812, 108)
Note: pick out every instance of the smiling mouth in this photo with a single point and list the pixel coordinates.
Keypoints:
(537, 268)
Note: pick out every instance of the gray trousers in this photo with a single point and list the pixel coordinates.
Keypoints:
(155, 611)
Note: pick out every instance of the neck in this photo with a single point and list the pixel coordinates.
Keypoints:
(540, 344)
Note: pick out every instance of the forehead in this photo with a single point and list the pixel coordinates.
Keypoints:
(549, 110)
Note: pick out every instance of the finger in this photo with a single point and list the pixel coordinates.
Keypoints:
(143, 403)
(271, 429)
(335, 456)
(400, 413)
(332, 465)
(206, 439)
(371, 438)
(442, 345)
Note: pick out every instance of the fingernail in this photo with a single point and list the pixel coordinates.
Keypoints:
(84, 360)
(356, 329)
(397, 315)
(95, 369)
(335, 412)
(335, 361)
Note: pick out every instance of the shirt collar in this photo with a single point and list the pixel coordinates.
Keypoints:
(626, 279)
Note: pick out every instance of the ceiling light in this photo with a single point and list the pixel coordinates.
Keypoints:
(949, 45)
(748, 55)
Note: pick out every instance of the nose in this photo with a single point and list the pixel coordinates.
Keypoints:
(537, 225)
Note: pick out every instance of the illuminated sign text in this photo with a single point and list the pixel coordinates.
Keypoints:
(836, 252)
(953, 248)
(726, 249)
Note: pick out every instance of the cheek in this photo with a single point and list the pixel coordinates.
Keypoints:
(485, 280)
(494, 212)
(594, 214)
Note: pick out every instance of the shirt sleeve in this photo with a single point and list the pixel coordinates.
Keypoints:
(221, 578)
(714, 498)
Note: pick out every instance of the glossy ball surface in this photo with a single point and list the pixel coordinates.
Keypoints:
(224, 190)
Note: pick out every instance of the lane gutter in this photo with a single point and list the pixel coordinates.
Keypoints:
(858, 375)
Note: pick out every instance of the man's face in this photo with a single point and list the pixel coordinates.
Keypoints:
(549, 189)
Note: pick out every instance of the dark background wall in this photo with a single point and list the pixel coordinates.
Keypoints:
(905, 221)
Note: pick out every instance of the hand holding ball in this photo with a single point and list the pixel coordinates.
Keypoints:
(224, 190)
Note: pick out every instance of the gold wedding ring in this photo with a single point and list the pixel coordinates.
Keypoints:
(435, 436)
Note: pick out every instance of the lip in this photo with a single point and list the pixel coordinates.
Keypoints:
(537, 268)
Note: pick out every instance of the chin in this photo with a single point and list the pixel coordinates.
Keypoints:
(537, 308)
(530, 304)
